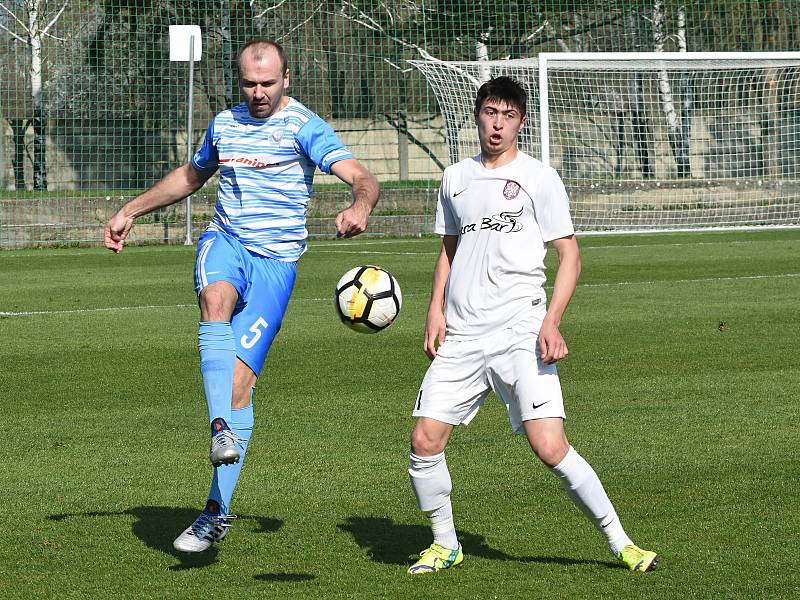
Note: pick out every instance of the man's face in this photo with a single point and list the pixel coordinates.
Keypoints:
(498, 127)
(263, 83)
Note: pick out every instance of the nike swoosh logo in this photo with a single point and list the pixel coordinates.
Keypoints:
(459, 192)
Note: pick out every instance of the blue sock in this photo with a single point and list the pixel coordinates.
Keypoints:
(217, 359)
(226, 476)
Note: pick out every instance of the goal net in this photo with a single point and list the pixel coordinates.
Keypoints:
(651, 141)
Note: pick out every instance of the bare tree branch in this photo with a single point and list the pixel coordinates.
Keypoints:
(365, 20)
(14, 35)
(396, 66)
(55, 18)
(55, 37)
(10, 12)
(299, 25)
(417, 142)
(268, 9)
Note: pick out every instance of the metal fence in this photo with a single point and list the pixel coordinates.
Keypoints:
(92, 110)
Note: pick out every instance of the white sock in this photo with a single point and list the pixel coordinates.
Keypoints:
(430, 480)
(444, 530)
(586, 492)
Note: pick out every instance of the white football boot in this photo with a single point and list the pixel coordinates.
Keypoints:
(224, 450)
(205, 530)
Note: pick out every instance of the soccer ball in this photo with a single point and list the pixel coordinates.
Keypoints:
(367, 299)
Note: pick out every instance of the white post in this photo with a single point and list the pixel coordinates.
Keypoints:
(186, 43)
(544, 112)
(188, 240)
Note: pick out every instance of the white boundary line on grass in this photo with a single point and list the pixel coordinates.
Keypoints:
(583, 285)
(76, 311)
(698, 280)
(584, 249)
(334, 247)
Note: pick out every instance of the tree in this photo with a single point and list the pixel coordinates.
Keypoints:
(641, 133)
(31, 27)
(677, 141)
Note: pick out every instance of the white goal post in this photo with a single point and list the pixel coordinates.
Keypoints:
(650, 141)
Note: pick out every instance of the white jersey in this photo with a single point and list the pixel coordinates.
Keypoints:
(503, 218)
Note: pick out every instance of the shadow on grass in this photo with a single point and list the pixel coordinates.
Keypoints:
(284, 577)
(158, 526)
(397, 544)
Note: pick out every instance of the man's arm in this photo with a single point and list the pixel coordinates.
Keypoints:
(175, 185)
(353, 220)
(436, 324)
(551, 345)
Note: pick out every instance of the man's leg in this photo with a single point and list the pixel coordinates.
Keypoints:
(213, 523)
(549, 443)
(241, 424)
(217, 363)
(430, 480)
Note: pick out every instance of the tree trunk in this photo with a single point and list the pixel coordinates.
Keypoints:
(687, 104)
(336, 76)
(482, 54)
(39, 112)
(39, 150)
(770, 109)
(19, 127)
(228, 66)
(402, 119)
(637, 107)
(618, 124)
(665, 91)
(769, 123)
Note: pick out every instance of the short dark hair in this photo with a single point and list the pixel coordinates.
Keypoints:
(502, 89)
(260, 46)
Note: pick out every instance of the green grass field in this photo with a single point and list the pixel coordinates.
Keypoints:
(681, 387)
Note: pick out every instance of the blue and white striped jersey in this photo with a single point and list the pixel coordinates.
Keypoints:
(266, 174)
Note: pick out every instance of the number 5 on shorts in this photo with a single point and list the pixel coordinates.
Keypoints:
(257, 327)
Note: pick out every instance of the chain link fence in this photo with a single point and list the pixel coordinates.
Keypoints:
(92, 111)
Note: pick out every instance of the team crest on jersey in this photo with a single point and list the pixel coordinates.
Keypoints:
(511, 190)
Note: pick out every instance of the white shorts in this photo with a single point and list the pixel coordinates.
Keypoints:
(464, 371)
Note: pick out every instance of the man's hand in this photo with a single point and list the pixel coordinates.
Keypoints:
(175, 185)
(435, 327)
(353, 220)
(552, 346)
(116, 231)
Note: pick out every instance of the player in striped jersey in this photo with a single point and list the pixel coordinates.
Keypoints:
(266, 151)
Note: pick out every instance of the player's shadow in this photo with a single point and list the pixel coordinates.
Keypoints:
(157, 527)
(284, 577)
(391, 543)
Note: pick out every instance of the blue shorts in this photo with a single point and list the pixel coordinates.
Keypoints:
(264, 286)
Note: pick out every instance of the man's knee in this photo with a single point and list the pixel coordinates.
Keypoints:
(547, 439)
(429, 438)
(551, 450)
(217, 301)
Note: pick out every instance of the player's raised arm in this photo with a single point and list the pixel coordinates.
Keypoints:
(551, 344)
(353, 220)
(175, 185)
(435, 323)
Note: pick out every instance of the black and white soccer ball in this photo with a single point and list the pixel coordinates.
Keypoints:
(367, 299)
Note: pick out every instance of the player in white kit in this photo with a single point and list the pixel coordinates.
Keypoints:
(489, 326)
